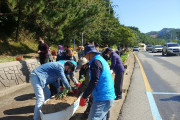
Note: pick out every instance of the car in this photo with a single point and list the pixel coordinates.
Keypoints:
(157, 48)
(149, 47)
(136, 48)
(171, 48)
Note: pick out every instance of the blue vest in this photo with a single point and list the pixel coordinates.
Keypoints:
(105, 87)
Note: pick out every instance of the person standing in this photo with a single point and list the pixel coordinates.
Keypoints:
(43, 49)
(118, 68)
(46, 74)
(100, 85)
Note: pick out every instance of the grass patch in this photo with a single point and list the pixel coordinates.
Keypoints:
(27, 48)
(124, 56)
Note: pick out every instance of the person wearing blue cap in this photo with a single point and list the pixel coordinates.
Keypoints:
(70, 76)
(42, 76)
(118, 68)
(100, 85)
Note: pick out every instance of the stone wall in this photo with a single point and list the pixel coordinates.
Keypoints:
(16, 73)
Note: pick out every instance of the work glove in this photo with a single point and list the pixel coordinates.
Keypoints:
(61, 88)
(78, 91)
(78, 84)
(91, 96)
(82, 101)
(71, 91)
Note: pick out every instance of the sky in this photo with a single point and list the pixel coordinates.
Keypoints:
(148, 15)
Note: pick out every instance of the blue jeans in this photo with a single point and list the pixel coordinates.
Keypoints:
(99, 110)
(42, 94)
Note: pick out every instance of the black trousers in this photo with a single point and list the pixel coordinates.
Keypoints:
(118, 83)
(44, 60)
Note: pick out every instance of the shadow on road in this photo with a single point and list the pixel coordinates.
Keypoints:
(77, 116)
(20, 110)
(17, 118)
(174, 98)
(25, 97)
(25, 70)
(165, 56)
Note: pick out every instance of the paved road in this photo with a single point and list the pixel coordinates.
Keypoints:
(18, 105)
(163, 75)
(136, 106)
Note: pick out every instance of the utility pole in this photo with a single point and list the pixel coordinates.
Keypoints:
(82, 39)
(74, 43)
(109, 8)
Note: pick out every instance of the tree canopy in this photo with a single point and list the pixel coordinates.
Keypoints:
(61, 21)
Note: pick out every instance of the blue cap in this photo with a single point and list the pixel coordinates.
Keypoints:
(107, 50)
(90, 49)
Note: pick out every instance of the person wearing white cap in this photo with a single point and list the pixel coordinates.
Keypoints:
(83, 68)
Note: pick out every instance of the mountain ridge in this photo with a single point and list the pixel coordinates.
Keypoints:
(166, 33)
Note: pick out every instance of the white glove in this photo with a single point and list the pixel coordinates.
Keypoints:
(111, 71)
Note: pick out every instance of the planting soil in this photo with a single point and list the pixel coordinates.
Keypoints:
(55, 105)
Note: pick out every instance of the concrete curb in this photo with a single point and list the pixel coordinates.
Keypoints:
(114, 112)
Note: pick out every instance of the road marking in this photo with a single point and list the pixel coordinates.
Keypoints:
(148, 87)
(153, 106)
(164, 93)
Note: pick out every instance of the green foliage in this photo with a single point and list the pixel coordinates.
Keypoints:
(61, 21)
(82, 79)
(124, 56)
(139, 37)
(62, 94)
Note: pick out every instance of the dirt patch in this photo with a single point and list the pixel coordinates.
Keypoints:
(55, 105)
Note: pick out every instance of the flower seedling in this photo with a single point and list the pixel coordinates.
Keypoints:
(62, 94)
(82, 79)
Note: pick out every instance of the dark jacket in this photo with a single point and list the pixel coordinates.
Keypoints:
(116, 63)
(85, 73)
(44, 48)
(64, 57)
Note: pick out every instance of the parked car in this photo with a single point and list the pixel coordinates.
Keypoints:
(136, 48)
(171, 48)
(149, 47)
(157, 48)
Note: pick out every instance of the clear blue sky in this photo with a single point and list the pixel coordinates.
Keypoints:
(148, 15)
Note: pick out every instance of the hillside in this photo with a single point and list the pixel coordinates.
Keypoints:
(166, 33)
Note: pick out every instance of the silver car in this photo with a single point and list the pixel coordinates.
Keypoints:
(157, 48)
(149, 47)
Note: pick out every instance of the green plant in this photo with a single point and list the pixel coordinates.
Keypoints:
(124, 56)
(63, 94)
(82, 79)
(109, 62)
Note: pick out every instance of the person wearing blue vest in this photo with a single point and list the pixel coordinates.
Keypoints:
(101, 85)
(45, 74)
